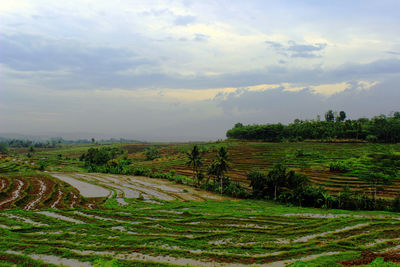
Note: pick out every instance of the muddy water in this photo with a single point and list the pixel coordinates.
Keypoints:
(194, 262)
(122, 201)
(134, 187)
(54, 259)
(23, 219)
(86, 189)
(60, 217)
(308, 237)
(104, 218)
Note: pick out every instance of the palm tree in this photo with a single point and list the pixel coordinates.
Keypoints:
(220, 165)
(194, 160)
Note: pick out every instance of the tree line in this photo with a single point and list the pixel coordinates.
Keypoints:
(287, 186)
(380, 128)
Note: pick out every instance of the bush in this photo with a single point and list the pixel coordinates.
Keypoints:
(142, 171)
(371, 138)
(338, 166)
(42, 165)
(258, 182)
(151, 153)
(396, 204)
(4, 148)
(235, 190)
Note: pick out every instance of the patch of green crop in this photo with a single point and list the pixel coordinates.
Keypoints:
(246, 231)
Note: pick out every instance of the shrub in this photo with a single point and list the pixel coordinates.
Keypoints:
(338, 166)
(258, 182)
(142, 171)
(396, 204)
(151, 153)
(371, 138)
(42, 165)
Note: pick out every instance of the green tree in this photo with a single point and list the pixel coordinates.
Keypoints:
(376, 181)
(239, 125)
(151, 153)
(258, 183)
(342, 115)
(329, 115)
(195, 160)
(220, 165)
(276, 178)
(4, 148)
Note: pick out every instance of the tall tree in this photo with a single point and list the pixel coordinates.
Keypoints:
(220, 165)
(342, 115)
(3, 148)
(195, 160)
(329, 115)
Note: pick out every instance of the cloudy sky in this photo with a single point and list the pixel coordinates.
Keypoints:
(189, 70)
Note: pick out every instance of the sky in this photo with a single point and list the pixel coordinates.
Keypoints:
(189, 70)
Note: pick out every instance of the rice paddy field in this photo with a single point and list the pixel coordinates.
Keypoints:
(310, 158)
(66, 216)
(196, 233)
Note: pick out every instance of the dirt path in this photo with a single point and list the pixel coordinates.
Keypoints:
(42, 189)
(14, 194)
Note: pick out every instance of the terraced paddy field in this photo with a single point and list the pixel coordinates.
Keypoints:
(196, 233)
(126, 220)
(30, 191)
(310, 158)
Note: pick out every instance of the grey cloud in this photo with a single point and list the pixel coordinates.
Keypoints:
(301, 48)
(378, 67)
(393, 53)
(184, 20)
(273, 75)
(294, 50)
(267, 106)
(82, 65)
(88, 67)
(198, 37)
(157, 12)
(34, 53)
(274, 44)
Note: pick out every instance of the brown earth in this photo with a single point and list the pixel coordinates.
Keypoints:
(367, 257)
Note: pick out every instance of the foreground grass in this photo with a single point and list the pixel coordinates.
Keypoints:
(194, 233)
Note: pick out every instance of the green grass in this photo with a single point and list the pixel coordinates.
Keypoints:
(243, 231)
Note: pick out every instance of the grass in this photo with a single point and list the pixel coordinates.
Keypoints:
(246, 231)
